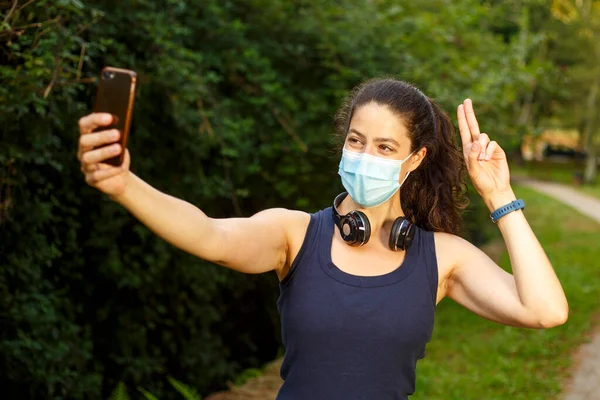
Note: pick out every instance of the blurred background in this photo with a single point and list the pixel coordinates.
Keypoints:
(234, 114)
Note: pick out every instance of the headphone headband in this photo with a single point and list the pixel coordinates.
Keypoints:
(355, 227)
(336, 202)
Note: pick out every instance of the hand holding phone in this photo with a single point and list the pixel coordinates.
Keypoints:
(103, 134)
(116, 96)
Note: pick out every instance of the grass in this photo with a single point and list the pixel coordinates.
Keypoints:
(592, 190)
(471, 358)
(555, 172)
(562, 172)
(547, 171)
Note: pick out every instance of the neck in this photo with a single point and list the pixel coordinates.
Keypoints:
(381, 217)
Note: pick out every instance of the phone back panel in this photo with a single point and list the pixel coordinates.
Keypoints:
(116, 95)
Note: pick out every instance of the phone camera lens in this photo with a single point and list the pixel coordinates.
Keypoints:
(108, 75)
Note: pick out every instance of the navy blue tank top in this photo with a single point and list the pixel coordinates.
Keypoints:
(350, 337)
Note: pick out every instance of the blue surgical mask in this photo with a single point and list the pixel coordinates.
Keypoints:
(369, 180)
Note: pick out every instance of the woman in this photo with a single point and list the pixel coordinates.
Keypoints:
(359, 282)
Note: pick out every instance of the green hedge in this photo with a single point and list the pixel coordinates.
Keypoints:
(233, 114)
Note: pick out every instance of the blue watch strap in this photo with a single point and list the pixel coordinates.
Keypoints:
(510, 207)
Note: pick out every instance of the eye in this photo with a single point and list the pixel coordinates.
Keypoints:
(386, 149)
(353, 140)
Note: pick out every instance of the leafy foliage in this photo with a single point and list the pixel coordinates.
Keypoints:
(233, 114)
(120, 393)
(187, 392)
(147, 394)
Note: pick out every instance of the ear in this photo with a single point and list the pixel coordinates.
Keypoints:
(416, 159)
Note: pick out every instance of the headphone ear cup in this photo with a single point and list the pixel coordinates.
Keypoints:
(401, 234)
(394, 233)
(364, 234)
(355, 228)
(409, 236)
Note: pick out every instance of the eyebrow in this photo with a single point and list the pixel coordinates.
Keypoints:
(376, 140)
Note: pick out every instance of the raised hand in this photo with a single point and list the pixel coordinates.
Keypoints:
(486, 161)
(95, 147)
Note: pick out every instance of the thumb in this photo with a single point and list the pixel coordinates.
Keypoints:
(473, 155)
(126, 161)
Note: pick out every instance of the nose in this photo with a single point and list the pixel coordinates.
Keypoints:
(371, 148)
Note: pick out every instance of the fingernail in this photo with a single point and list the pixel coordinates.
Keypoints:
(475, 146)
(106, 118)
(114, 134)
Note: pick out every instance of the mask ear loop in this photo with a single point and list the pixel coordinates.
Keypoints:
(408, 173)
(407, 157)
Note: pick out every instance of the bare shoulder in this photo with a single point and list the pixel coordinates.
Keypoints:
(289, 220)
(449, 250)
(295, 224)
(444, 241)
(296, 227)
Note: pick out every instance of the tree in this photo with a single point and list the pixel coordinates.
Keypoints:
(233, 114)
(583, 17)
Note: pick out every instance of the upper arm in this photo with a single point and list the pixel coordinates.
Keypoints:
(256, 244)
(475, 281)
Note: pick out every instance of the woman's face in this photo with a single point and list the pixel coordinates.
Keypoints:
(376, 130)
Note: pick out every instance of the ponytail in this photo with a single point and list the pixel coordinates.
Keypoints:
(434, 195)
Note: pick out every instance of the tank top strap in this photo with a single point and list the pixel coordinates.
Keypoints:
(315, 233)
(425, 247)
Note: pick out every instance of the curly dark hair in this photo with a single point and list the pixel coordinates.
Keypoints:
(434, 195)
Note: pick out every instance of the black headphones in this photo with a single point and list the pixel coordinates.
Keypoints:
(356, 229)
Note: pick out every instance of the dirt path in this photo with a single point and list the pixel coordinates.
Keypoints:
(584, 203)
(585, 381)
(265, 387)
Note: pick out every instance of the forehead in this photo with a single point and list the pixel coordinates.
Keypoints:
(376, 120)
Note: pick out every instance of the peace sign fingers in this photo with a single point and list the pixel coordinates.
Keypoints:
(471, 120)
(467, 123)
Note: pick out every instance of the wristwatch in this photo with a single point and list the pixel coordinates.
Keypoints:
(510, 207)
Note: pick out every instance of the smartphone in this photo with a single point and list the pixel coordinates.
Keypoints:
(116, 95)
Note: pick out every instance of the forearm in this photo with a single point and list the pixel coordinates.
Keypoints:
(174, 220)
(538, 287)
